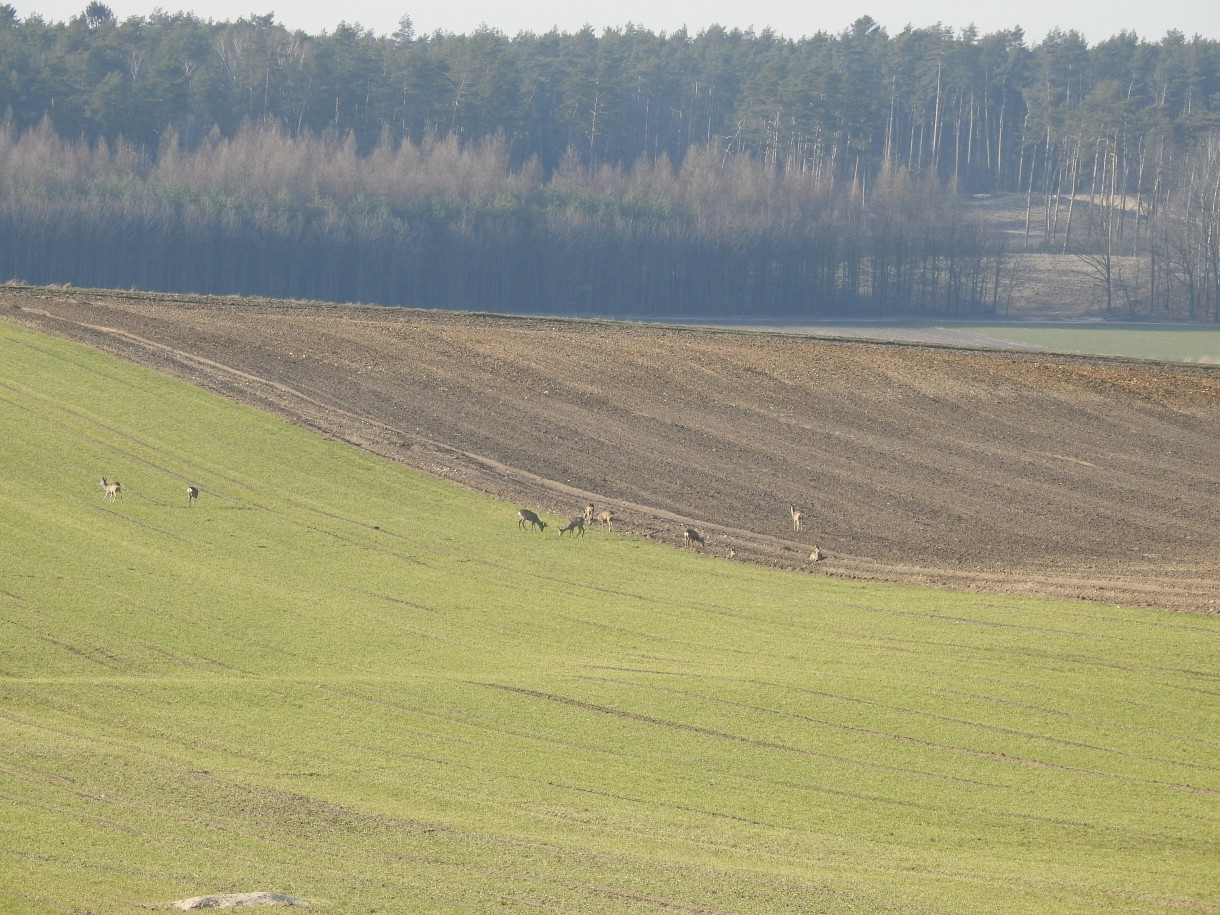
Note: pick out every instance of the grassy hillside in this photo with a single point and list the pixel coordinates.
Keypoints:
(341, 680)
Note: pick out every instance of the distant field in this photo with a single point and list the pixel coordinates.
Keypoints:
(1163, 342)
(1159, 342)
(342, 680)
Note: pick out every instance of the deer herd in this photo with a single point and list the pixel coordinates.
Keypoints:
(112, 491)
(529, 520)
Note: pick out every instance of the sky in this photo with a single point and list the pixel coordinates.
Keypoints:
(1095, 19)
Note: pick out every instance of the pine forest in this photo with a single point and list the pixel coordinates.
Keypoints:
(621, 173)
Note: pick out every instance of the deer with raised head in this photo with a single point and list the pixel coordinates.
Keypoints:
(111, 491)
(192, 495)
(576, 525)
(817, 555)
(606, 517)
(587, 514)
(796, 516)
(525, 516)
(690, 535)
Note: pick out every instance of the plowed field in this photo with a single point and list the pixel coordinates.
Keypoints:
(981, 470)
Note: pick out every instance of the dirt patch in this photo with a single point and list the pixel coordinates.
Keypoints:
(237, 900)
(980, 470)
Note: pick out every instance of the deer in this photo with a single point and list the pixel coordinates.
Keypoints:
(796, 516)
(607, 518)
(525, 516)
(111, 491)
(192, 495)
(817, 555)
(588, 513)
(577, 524)
(690, 535)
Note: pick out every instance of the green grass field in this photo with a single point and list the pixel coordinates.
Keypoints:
(341, 680)
(1159, 342)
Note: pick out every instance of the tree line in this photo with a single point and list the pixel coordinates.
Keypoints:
(617, 172)
(989, 111)
(456, 225)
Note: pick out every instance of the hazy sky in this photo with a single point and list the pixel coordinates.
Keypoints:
(1095, 19)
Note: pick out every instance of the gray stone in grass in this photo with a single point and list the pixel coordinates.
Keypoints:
(234, 900)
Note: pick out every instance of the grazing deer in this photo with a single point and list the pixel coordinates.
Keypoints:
(690, 535)
(525, 516)
(607, 518)
(111, 491)
(796, 516)
(577, 524)
(192, 495)
(588, 513)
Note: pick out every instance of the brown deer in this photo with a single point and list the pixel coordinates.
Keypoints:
(690, 535)
(577, 524)
(192, 495)
(817, 555)
(607, 518)
(588, 513)
(111, 491)
(525, 516)
(796, 516)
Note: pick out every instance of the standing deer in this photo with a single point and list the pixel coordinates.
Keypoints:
(607, 518)
(192, 495)
(577, 524)
(588, 513)
(525, 516)
(796, 516)
(690, 535)
(111, 491)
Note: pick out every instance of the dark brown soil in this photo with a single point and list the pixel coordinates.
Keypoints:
(988, 471)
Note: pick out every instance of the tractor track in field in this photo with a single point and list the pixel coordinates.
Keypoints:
(987, 471)
(727, 736)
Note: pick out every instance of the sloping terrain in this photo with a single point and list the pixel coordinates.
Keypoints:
(339, 680)
(1015, 472)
